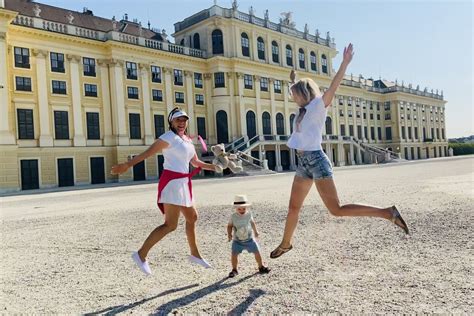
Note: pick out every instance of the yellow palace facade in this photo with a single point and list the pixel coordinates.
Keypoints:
(79, 93)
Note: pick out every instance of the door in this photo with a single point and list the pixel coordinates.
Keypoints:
(285, 159)
(97, 170)
(29, 174)
(139, 172)
(65, 172)
(271, 158)
(161, 160)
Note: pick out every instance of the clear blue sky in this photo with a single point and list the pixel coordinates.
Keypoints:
(429, 43)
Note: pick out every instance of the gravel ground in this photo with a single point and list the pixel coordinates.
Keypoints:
(69, 252)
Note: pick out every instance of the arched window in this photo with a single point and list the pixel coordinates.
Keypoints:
(266, 124)
(261, 48)
(275, 52)
(301, 58)
(328, 126)
(196, 41)
(182, 42)
(280, 124)
(312, 57)
(324, 64)
(251, 124)
(217, 42)
(292, 119)
(244, 40)
(289, 55)
(222, 127)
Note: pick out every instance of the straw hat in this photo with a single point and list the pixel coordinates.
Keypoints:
(241, 200)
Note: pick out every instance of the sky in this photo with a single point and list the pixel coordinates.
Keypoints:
(426, 43)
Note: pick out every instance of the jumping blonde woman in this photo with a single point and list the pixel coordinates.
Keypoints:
(175, 193)
(313, 164)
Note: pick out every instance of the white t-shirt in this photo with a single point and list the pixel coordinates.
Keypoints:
(178, 154)
(177, 158)
(310, 134)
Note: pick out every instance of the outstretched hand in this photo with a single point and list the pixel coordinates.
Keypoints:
(292, 76)
(348, 53)
(119, 169)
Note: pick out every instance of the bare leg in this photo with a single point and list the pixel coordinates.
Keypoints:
(170, 224)
(299, 191)
(234, 260)
(258, 257)
(190, 214)
(327, 191)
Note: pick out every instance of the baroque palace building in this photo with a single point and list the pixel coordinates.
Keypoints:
(79, 93)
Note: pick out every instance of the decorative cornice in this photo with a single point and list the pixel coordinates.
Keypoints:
(167, 70)
(103, 62)
(188, 73)
(271, 80)
(39, 53)
(239, 74)
(116, 62)
(207, 76)
(3, 35)
(73, 58)
(256, 78)
(230, 74)
(144, 66)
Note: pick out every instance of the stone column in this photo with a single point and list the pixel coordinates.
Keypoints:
(329, 151)
(211, 121)
(240, 108)
(6, 131)
(258, 104)
(286, 105)
(341, 159)
(45, 140)
(273, 109)
(292, 160)
(278, 166)
(79, 138)
(109, 140)
(351, 154)
(190, 100)
(168, 89)
(147, 119)
(119, 114)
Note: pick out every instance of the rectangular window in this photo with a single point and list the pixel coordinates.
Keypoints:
(365, 132)
(248, 82)
(371, 116)
(25, 124)
(372, 132)
(378, 106)
(23, 83)
(219, 80)
(409, 132)
(132, 92)
(90, 90)
(93, 125)
(404, 134)
(89, 66)
(179, 97)
(343, 130)
(379, 132)
(59, 87)
(416, 132)
(388, 133)
(159, 125)
(134, 123)
(155, 74)
(201, 126)
(199, 99)
(57, 62)
(157, 95)
(61, 125)
(341, 113)
(387, 106)
(378, 117)
(132, 73)
(197, 80)
(388, 116)
(341, 101)
(263, 84)
(359, 132)
(349, 112)
(351, 130)
(358, 114)
(22, 57)
(365, 116)
(277, 86)
(178, 77)
(442, 133)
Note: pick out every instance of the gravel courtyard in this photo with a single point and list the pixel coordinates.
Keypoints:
(69, 252)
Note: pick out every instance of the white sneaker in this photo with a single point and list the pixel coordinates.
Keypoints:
(199, 261)
(142, 265)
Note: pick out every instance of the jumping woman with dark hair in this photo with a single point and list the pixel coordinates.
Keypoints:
(175, 193)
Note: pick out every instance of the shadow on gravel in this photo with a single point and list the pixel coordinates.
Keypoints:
(122, 308)
(188, 299)
(242, 307)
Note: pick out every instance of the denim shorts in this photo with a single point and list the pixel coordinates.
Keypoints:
(249, 245)
(313, 165)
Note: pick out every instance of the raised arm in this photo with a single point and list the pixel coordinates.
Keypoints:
(156, 147)
(346, 59)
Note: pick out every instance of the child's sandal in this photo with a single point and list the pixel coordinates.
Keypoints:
(233, 273)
